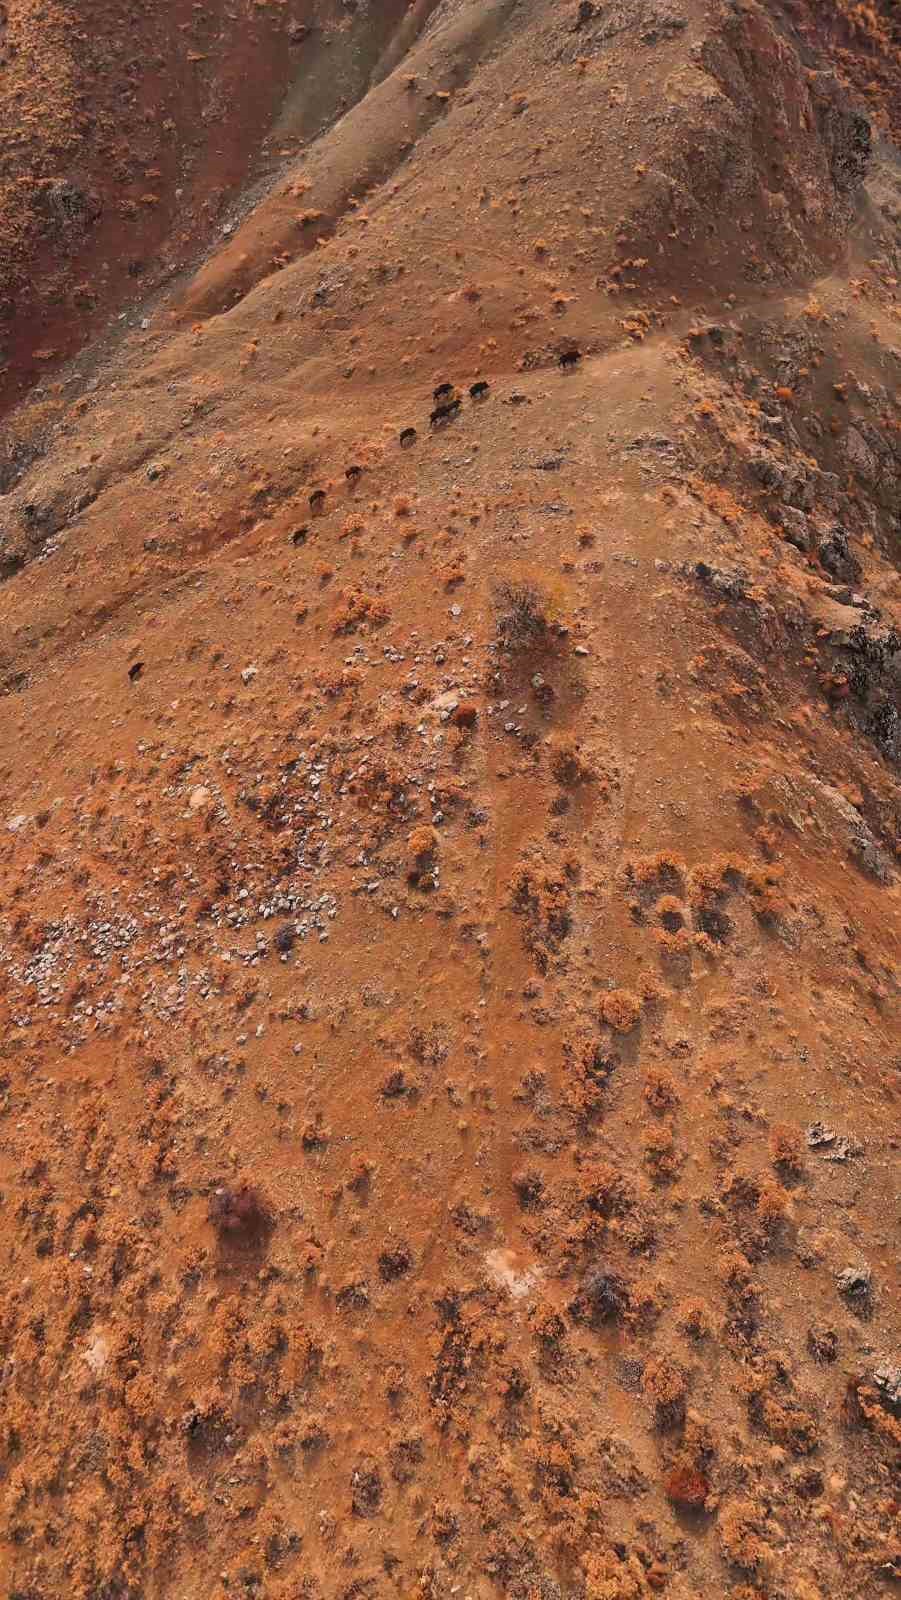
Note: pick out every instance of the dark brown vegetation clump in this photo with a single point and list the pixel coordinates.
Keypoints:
(240, 1216)
(526, 611)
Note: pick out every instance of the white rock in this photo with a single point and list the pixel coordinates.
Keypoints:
(96, 1353)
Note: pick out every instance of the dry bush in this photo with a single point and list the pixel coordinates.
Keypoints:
(767, 900)
(695, 1319)
(422, 852)
(788, 1425)
(609, 1577)
(528, 606)
(658, 874)
(664, 1384)
(607, 1191)
(787, 1147)
(685, 1486)
(671, 912)
(541, 897)
(568, 766)
(721, 876)
(739, 1524)
(549, 1328)
(422, 845)
(675, 950)
(466, 715)
(709, 890)
(773, 1207)
(647, 1299)
(739, 1189)
(335, 682)
(735, 1270)
(660, 1090)
(864, 1408)
(603, 1297)
(620, 1010)
(659, 1152)
(529, 1187)
(590, 1067)
(355, 608)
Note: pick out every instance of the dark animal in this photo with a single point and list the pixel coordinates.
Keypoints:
(586, 12)
(353, 474)
(407, 438)
(134, 671)
(443, 414)
(479, 391)
(317, 502)
(299, 536)
(570, 359)
(443, 393)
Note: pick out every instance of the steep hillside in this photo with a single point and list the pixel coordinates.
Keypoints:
(127, 135)
(450, 712)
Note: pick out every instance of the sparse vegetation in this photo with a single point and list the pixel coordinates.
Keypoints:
(620, 1010)
(787, 1147)
(448, 761)
(528, 610)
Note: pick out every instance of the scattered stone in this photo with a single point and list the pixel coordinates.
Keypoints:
(795, 528)
(835, 555)
(856, 1284)
(887, 1380)
(733, 585)
(818, 1134)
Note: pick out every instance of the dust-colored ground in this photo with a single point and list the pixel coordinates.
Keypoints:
(449, 932)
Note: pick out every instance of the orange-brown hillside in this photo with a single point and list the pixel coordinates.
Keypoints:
(450, 712)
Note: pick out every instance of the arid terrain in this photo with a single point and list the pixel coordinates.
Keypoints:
(450, 723)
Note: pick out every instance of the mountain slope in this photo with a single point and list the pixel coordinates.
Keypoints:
(450, 921)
